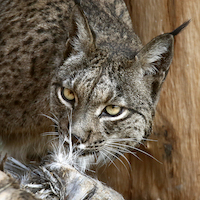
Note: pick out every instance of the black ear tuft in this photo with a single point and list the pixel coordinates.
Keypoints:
(78, 2)
(180, 28)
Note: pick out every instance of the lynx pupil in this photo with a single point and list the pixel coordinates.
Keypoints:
(68, 94)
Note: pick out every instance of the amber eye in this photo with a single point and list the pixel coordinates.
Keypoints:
(113, 110)
(67, 94)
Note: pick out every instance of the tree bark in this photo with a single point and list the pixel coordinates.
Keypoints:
(177, 122)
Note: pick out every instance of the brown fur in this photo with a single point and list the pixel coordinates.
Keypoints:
(177, 126)
(104, 66)
(33, 35)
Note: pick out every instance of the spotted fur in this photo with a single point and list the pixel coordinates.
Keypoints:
(92, 50)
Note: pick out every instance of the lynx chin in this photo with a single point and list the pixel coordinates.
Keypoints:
(82, 66)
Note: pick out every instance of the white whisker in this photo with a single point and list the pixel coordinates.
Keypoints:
(102, 155)
(121, 154)
(134, 148)
(54, 125)
(107, 150)
(49, 133)
(126, 140)
(51, 118)
(130, 139)
(122, 139)
(54, 116)
(147, 154)
(150, 140)
(70, 134)
(51, 140)
(124, 150)
(111, 161)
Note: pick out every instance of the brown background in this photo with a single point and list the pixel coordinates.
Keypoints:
(177, 127)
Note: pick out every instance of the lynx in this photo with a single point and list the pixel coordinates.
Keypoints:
(83, 67)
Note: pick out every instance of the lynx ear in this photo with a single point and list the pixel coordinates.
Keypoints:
(156, 56)
(80, 34)
(154, 60)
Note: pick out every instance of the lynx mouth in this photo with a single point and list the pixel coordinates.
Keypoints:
(81, 149)
(85, 151)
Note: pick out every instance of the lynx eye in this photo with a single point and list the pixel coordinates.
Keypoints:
(67, 94)
(113, 110)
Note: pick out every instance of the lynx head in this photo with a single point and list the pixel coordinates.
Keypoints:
(105, 98)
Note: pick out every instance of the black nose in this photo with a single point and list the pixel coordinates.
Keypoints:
(76, 140)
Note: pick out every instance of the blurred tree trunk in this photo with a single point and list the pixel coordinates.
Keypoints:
(177, 121)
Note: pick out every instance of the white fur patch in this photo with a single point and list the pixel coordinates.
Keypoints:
(152, 56)
(100, 109)
(74, 59)
(155, 54)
